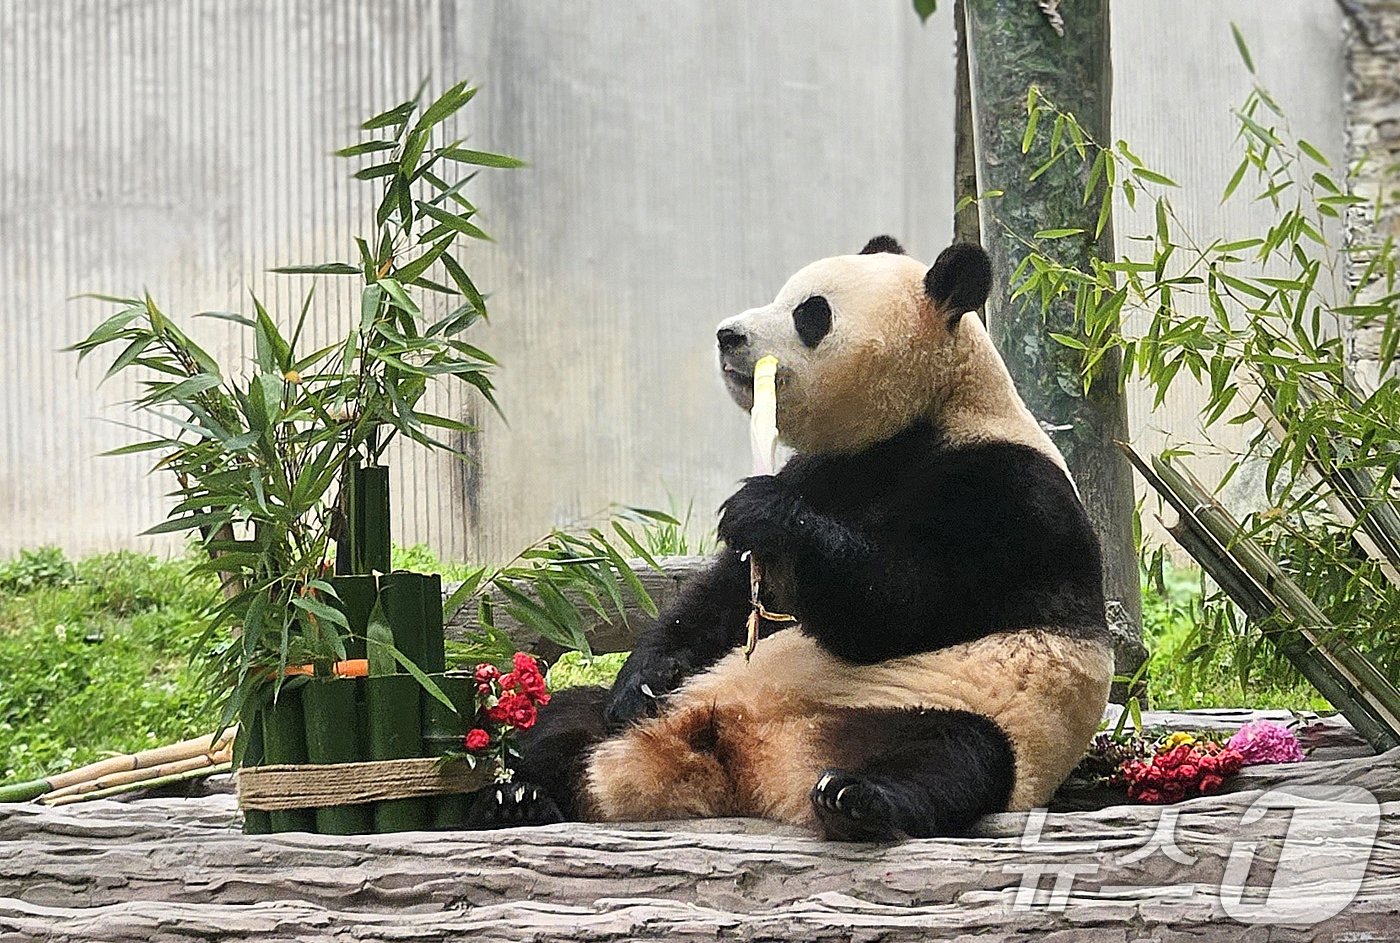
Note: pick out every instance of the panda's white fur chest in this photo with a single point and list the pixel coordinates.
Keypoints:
(1045, 690)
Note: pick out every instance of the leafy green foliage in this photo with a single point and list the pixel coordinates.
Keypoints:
(1195, 661)
(258, 454)
(575, 669)
(558, 586)
(1256, 318)
(107, 660)
(925, 9)
(32, 569)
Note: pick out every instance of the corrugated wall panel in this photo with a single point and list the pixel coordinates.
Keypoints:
(685, 158)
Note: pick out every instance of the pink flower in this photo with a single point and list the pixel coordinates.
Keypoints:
(476, 739)
(1262, 741)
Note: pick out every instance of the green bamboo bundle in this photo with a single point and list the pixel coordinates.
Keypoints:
(357, 595)
(442, 734)
(284, 741)
(406, 599)
(249, 750)
(334, 725)
(392, 708)
(1289, 619)
(1353, 492)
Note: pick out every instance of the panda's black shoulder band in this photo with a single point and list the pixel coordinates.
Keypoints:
(960, 279)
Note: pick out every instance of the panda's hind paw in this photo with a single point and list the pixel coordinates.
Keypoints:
(509, 804)
(851, 808)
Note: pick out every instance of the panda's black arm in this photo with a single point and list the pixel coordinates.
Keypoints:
(706, 620)
(1005, 544)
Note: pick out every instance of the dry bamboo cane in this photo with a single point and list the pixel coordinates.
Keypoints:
(137, 775)
(157, 756)
(186, 776)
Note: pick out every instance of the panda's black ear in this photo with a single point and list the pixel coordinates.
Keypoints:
(882, 244)
(960, 279)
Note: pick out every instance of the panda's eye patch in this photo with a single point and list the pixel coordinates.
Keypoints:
(812, 319)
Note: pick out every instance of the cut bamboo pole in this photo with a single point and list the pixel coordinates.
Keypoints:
(393, 708)
(442, 734)
(137, 775)
(248, 751)
(334, 734)
(186, 776)
(145, 759)
(1262, 588)
(284, 741)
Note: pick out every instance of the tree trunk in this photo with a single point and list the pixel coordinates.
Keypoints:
(1014, 46)
(967, 227)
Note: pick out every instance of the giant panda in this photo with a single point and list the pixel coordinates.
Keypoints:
(951, 656)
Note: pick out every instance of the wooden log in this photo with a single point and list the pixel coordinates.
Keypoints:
(159, 871)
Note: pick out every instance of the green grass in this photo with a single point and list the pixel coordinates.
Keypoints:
(97, 657)
(1195, 663)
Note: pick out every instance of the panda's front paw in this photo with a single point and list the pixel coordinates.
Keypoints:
(851, 808)
(640, 685)
(760, 516)
(509, 804)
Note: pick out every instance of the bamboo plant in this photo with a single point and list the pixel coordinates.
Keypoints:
(1259, 321)
(271, 459)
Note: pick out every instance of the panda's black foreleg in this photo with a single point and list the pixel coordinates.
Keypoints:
(549, 772)
(923, 773)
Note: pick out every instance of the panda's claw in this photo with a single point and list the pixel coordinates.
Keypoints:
(851, 808)
(516, 804)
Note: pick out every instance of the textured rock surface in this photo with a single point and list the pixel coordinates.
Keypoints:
(1373, 144)
(160, 870)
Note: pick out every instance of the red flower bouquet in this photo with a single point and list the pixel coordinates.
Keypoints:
(1166, 768)
(505, 704)
(1180, 772)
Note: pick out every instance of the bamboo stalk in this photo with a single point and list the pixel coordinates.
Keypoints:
(1262, 588)
(186, 776)
(143, 760)
(137, 775)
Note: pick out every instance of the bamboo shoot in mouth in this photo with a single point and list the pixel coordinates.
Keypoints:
(763, 437)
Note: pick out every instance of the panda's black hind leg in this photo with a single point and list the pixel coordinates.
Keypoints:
(919, 773)
(549, 771)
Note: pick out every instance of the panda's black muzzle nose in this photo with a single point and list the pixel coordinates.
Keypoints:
(731, 340)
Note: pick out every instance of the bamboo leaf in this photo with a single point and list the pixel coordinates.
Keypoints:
(1244, 49)
(324, 268)
(480, 158)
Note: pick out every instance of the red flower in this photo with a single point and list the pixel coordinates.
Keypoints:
(517, 710)
(486, 675)
(1210, 784)
(476, 739)
(526, 679)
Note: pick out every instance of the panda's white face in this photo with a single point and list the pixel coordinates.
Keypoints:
(857, 341)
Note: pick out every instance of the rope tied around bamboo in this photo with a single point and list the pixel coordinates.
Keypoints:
(309, 786)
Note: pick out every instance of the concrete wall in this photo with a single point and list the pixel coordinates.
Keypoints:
(685, 158)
